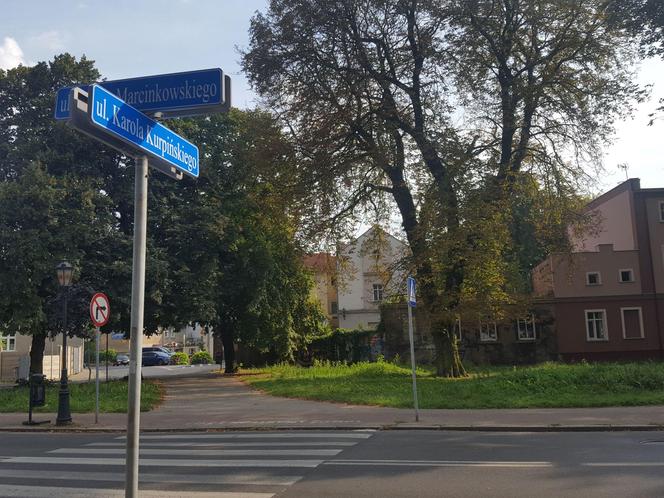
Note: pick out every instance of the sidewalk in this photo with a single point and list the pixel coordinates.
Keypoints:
(215, 402)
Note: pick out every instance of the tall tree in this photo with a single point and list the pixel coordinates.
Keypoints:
(54, 201)
(438, 103)
(234, 264)
(44, 220)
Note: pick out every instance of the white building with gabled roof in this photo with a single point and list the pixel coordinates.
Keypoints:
(369, 272)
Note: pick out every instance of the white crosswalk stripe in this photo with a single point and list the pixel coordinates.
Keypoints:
(225, 465)
(195, 452)
(23, 491)
(223, 444)
(259, 435)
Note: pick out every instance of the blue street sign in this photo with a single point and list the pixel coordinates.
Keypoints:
(412, 301)
(144, 135)
(168, 95)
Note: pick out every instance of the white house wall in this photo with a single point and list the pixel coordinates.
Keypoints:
(359, 270)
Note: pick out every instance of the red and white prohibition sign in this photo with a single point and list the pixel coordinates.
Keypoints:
(100, 309)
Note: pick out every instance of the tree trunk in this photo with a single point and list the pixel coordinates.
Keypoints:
(229, 350)
(448, 360)
(37, 353)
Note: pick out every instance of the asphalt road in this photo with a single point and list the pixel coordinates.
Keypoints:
(338, 463)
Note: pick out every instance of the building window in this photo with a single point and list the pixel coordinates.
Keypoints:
(593, 278)
(596, 329)
(377, 292)
(334, 307)
(525, 329)
(488, 332)
(632, 323)
(8, 342)
(626, 275)
(661, 210)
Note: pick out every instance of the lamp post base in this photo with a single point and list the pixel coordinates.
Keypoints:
(64, 413)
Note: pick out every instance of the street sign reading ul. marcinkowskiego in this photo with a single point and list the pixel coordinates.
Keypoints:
(112, 115)
(170, 95)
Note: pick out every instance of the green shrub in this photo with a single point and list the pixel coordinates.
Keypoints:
(342, 345)
(180, 358)
(109, 355)
(201, 358)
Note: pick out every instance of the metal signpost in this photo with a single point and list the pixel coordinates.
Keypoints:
(412, 301)
(100, 310)
(102, 112)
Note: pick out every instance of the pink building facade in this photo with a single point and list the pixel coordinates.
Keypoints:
(607, 295)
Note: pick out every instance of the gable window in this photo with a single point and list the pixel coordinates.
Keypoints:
(593, 278)
(626, 275)
(377, 292)
(525, 328)
(632, 323)
(661, 210)
(488, 332)
(8, 342)
(596, 329)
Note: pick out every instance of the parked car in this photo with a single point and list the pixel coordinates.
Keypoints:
(158, 348)
(152, 358)
(121, 359)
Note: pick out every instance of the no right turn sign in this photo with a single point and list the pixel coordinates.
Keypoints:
(100, 309)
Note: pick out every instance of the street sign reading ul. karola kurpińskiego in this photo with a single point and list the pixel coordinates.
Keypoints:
(165, 95)
(126, 128)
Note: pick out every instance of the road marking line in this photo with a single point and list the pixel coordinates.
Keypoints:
(160, 462)
(11, 491)
(253, 478)
(440, 463)
(290, 435)
(170, 452)
(623, 464)
(168, 444)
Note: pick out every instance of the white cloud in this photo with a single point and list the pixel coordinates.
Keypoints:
(11, 54)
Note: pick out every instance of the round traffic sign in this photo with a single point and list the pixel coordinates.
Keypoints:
(100, 309)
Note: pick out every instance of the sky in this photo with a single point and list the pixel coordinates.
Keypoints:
(146, 37)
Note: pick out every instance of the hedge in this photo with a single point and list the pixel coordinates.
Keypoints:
(201, 358)
(180, 359)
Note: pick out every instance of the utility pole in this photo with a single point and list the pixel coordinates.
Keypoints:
(136, 348)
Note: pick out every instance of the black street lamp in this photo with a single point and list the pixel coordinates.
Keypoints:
(64, 271)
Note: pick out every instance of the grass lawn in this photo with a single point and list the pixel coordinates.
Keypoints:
(545, 385)
(112, 397)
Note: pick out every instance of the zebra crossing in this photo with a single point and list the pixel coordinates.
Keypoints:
(225, 465)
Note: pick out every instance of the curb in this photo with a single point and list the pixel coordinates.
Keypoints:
(387, 427)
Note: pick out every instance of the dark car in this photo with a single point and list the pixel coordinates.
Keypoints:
(159, 349)
(152, 358)
(121, 359)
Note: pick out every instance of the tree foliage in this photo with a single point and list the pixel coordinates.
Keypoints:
(221, 250)
(242, 273)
